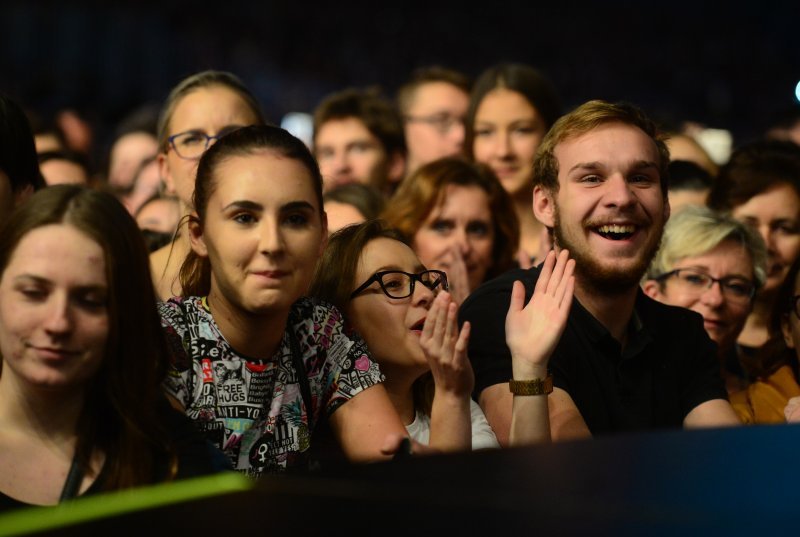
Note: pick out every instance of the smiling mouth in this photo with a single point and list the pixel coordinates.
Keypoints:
(616, 232)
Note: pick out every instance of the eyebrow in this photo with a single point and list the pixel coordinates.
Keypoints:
(44, 281)
(417, 268)
(253, 206)
(705, 270)
(596, 165)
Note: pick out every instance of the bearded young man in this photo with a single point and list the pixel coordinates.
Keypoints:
(624, 361)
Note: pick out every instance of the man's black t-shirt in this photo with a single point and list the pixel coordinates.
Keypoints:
(667, 368)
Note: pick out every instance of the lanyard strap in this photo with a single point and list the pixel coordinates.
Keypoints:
(72, 485)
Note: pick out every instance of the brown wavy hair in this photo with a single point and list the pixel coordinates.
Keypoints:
(424, 190)
(119, 414)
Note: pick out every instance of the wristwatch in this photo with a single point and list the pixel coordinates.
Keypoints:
(531, 387)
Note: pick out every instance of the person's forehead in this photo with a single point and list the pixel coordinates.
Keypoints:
(438, 93)
(608, 142)
(342, 131)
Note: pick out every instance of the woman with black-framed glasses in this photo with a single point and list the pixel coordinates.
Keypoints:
(408, 320)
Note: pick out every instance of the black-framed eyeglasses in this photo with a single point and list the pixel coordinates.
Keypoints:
(441, 122)
(399, 284)
(191, 145)
(733, 288)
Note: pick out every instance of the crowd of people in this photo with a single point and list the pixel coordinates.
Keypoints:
(468, 267)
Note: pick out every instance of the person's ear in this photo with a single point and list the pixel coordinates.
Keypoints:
(196, 236)
(544, 206)
(652, 288)
(397, 167)
(166, 176)
(786, 328)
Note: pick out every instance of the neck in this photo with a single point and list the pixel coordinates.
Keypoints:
(51, 414)
(254, 335)
(400, 386)
(614, 311)
(530, 229)
(756, 328)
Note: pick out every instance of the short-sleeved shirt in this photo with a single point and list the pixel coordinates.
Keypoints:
(253, 409)
(668, 367)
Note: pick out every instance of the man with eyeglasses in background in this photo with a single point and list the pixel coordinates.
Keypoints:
(624, 362)
(433, 104)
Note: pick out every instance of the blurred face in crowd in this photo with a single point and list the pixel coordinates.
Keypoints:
(507, 132)
(347, 152)
(434, 123)
(460, 226)
(209, 111)
(60, 171)
(775, 214)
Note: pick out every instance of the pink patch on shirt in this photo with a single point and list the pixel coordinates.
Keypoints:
(362, 364)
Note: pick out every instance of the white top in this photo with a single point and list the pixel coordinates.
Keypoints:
(482, 435)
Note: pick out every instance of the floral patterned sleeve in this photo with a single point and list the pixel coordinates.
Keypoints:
(337, 360)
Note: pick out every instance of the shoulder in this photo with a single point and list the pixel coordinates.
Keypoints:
(666, 318)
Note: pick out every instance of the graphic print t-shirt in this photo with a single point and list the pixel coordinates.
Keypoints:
(253, 409)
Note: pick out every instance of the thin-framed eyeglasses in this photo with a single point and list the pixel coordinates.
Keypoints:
(441, 122)
(734, 288)
(400, 284)
(191, 145)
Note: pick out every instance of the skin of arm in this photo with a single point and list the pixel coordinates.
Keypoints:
(713, 413)
(446, 351)
(532, 333)
(364, 423)
(566, 422)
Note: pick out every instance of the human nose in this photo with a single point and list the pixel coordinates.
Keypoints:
(456, 134)
(270, 237)
(712, 296)
(59, 318)
(618, 191)
(422, 295)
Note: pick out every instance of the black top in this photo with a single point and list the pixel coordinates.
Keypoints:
(668, 367)
(196, 457)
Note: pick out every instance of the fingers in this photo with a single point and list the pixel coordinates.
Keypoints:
(543, 281)
(517, 298)
(463, 342)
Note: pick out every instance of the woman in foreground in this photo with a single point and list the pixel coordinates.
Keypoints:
(409, 323)
(256, 366)
(83, 357)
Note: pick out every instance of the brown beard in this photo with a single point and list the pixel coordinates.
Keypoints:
(603, 280)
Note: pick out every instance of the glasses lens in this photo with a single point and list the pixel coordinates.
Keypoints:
(190, 144)
(738, 289)
(396, 284)
(433, 279)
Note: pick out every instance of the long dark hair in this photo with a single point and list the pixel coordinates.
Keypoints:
(119, 413)
(195, 273)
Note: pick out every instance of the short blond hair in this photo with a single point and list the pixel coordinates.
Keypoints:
(697, 230)
(586, 118)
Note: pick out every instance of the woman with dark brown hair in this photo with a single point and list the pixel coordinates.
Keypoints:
(83, 356)
(258, 366)
(512, 106)
(408, 319)
(760, 186)
(457, 218)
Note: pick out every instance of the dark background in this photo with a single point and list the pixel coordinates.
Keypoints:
(729, 66)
